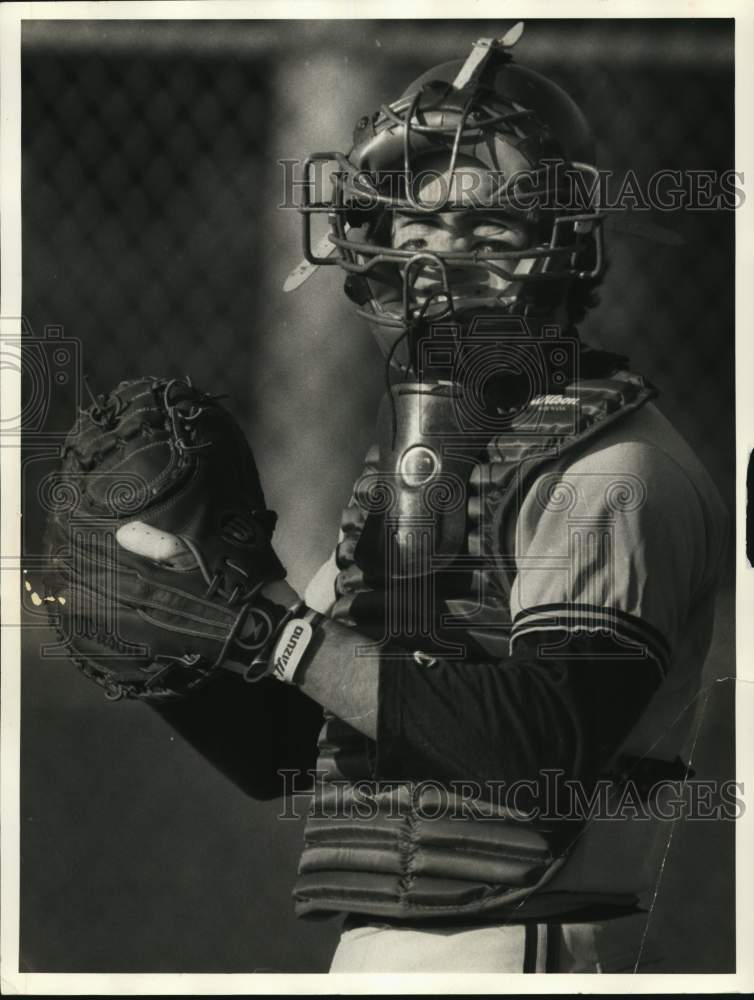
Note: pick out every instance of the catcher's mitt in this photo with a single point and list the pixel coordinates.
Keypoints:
(165, 454)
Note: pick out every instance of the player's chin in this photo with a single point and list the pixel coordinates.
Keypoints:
(469, 298)
(464, 309)
(467, 308)
(388, 326)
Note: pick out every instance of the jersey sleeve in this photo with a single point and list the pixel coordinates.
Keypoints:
(612, 544)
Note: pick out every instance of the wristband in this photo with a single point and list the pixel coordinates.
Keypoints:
(293, 641)
(259, 667)
(283, 652)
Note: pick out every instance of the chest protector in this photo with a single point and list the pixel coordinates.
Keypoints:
(425, 566)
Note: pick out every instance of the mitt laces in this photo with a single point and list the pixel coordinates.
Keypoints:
(241, 593)
(180, 420)
(105, 408)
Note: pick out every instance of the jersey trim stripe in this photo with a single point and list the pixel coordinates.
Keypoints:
(637, 637)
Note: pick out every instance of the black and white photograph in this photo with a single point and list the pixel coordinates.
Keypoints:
(374, 439)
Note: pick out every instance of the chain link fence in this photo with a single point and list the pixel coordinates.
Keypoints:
(152, 233)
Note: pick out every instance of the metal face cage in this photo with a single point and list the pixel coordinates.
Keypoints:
(574, 238)
(434, 116)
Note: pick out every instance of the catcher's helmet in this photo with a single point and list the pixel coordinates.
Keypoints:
(515, 123)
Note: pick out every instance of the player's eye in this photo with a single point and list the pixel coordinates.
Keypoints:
(490, 246)
(415, 244)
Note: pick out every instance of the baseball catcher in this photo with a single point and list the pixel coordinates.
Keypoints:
(520, 599)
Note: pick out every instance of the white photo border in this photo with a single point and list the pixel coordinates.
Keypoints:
(13, 980)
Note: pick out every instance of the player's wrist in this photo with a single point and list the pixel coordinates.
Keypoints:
(293, 636)
(280, 592)
(296, 641)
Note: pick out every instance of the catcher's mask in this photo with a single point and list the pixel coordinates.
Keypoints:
(516, 124)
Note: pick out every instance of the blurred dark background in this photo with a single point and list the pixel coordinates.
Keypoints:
(153, 244)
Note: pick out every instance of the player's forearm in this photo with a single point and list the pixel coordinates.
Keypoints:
(332, 673)
(341, 680)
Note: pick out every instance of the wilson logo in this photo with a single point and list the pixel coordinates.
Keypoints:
(555, 400)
